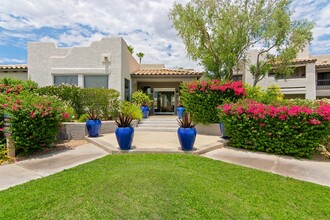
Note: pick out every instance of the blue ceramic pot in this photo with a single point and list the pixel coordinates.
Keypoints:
(180, 111)
(125, 137)
(93, 127)
(222, 129)
(145, 111)
(187, 138)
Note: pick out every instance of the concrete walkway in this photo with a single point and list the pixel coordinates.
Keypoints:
(24, 171)
(312, 171)
(157, 142)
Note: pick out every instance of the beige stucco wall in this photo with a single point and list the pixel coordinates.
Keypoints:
(306, 86)
(17, 75)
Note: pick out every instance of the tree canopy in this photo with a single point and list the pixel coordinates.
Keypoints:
(218, 33)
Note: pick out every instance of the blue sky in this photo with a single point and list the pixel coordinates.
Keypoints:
(144, 24)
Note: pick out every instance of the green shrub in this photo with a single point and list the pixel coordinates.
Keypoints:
(134, 110)
(3, 148)
(140, 98)
(288, 130)
(35, 120)
(72, 115)
(104, 102)
(69, 93)
(201, 98)
(83, 118)
(271, 95)
(15, 86)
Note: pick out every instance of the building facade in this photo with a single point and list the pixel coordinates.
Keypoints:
(108, 63)
(310, 80)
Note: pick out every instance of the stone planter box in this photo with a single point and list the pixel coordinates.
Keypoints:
(210, 129)
(78, 131)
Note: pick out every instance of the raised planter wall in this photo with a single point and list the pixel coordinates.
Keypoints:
(78, 131)
(210, 129)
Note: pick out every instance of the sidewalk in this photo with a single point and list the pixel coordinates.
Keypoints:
(24, 171)
(311, 171)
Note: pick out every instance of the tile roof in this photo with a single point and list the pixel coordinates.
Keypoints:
(320, 65)
(167, 72)
(307, 60)
(14, 67)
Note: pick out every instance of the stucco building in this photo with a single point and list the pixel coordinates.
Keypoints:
(108, 63)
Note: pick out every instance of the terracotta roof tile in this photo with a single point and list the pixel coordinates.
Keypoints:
(307, 60)
(13, 67)
(167, 72)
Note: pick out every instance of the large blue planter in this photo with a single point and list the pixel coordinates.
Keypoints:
(125, 137)
(180, 111)
(222, 129)
(145, 111)
(187, 138)
(93, 127)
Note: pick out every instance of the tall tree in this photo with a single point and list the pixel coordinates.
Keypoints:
(218, 33)
(130, 49)
(140, 55)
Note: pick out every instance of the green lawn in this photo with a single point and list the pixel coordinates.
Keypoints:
(164, 186)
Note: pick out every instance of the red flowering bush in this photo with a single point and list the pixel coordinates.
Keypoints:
(15, 86)
(201, 98)
(290, 130)
(2, 136)
(35, 120)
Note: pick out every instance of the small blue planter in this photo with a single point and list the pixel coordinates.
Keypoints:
(145, 111)
(93, 127)
(222, 129)
(125, 137)
(187, 138)
(180, 111)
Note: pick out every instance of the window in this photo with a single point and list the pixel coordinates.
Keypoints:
(323, 79)
(96, 82)
(127, 90)
(237, 77)
(72, 80)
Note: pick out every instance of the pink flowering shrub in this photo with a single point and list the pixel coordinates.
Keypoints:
(35, 120)
(201, 98)
(2, 136)
(289, 130)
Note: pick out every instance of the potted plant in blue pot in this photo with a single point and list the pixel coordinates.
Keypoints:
(186, 132)
(180, 110)
(124, 131)
(93, 123)
(142, 99)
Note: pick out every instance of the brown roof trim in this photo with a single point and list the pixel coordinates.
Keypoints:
(14, 67)
(302, 61)
(322, 65)
(167, 72)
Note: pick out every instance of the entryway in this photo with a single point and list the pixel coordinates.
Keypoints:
(164, 101)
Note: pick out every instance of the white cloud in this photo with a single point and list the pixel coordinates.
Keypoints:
(8, 60)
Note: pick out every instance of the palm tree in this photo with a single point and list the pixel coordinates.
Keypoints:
(140, 56)
(130, 48)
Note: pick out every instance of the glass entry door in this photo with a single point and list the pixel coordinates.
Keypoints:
(164, 101)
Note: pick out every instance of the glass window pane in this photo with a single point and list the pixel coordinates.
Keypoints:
(127, 90)
(72, 80)
(96, 81)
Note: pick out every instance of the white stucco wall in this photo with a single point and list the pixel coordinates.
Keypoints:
(46, 60)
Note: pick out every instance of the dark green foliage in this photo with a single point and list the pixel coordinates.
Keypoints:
(185, 121)
(124, 120)
(15, 86)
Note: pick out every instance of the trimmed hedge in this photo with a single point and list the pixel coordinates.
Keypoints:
(82, 100)
(201, 98)
(288, 130)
